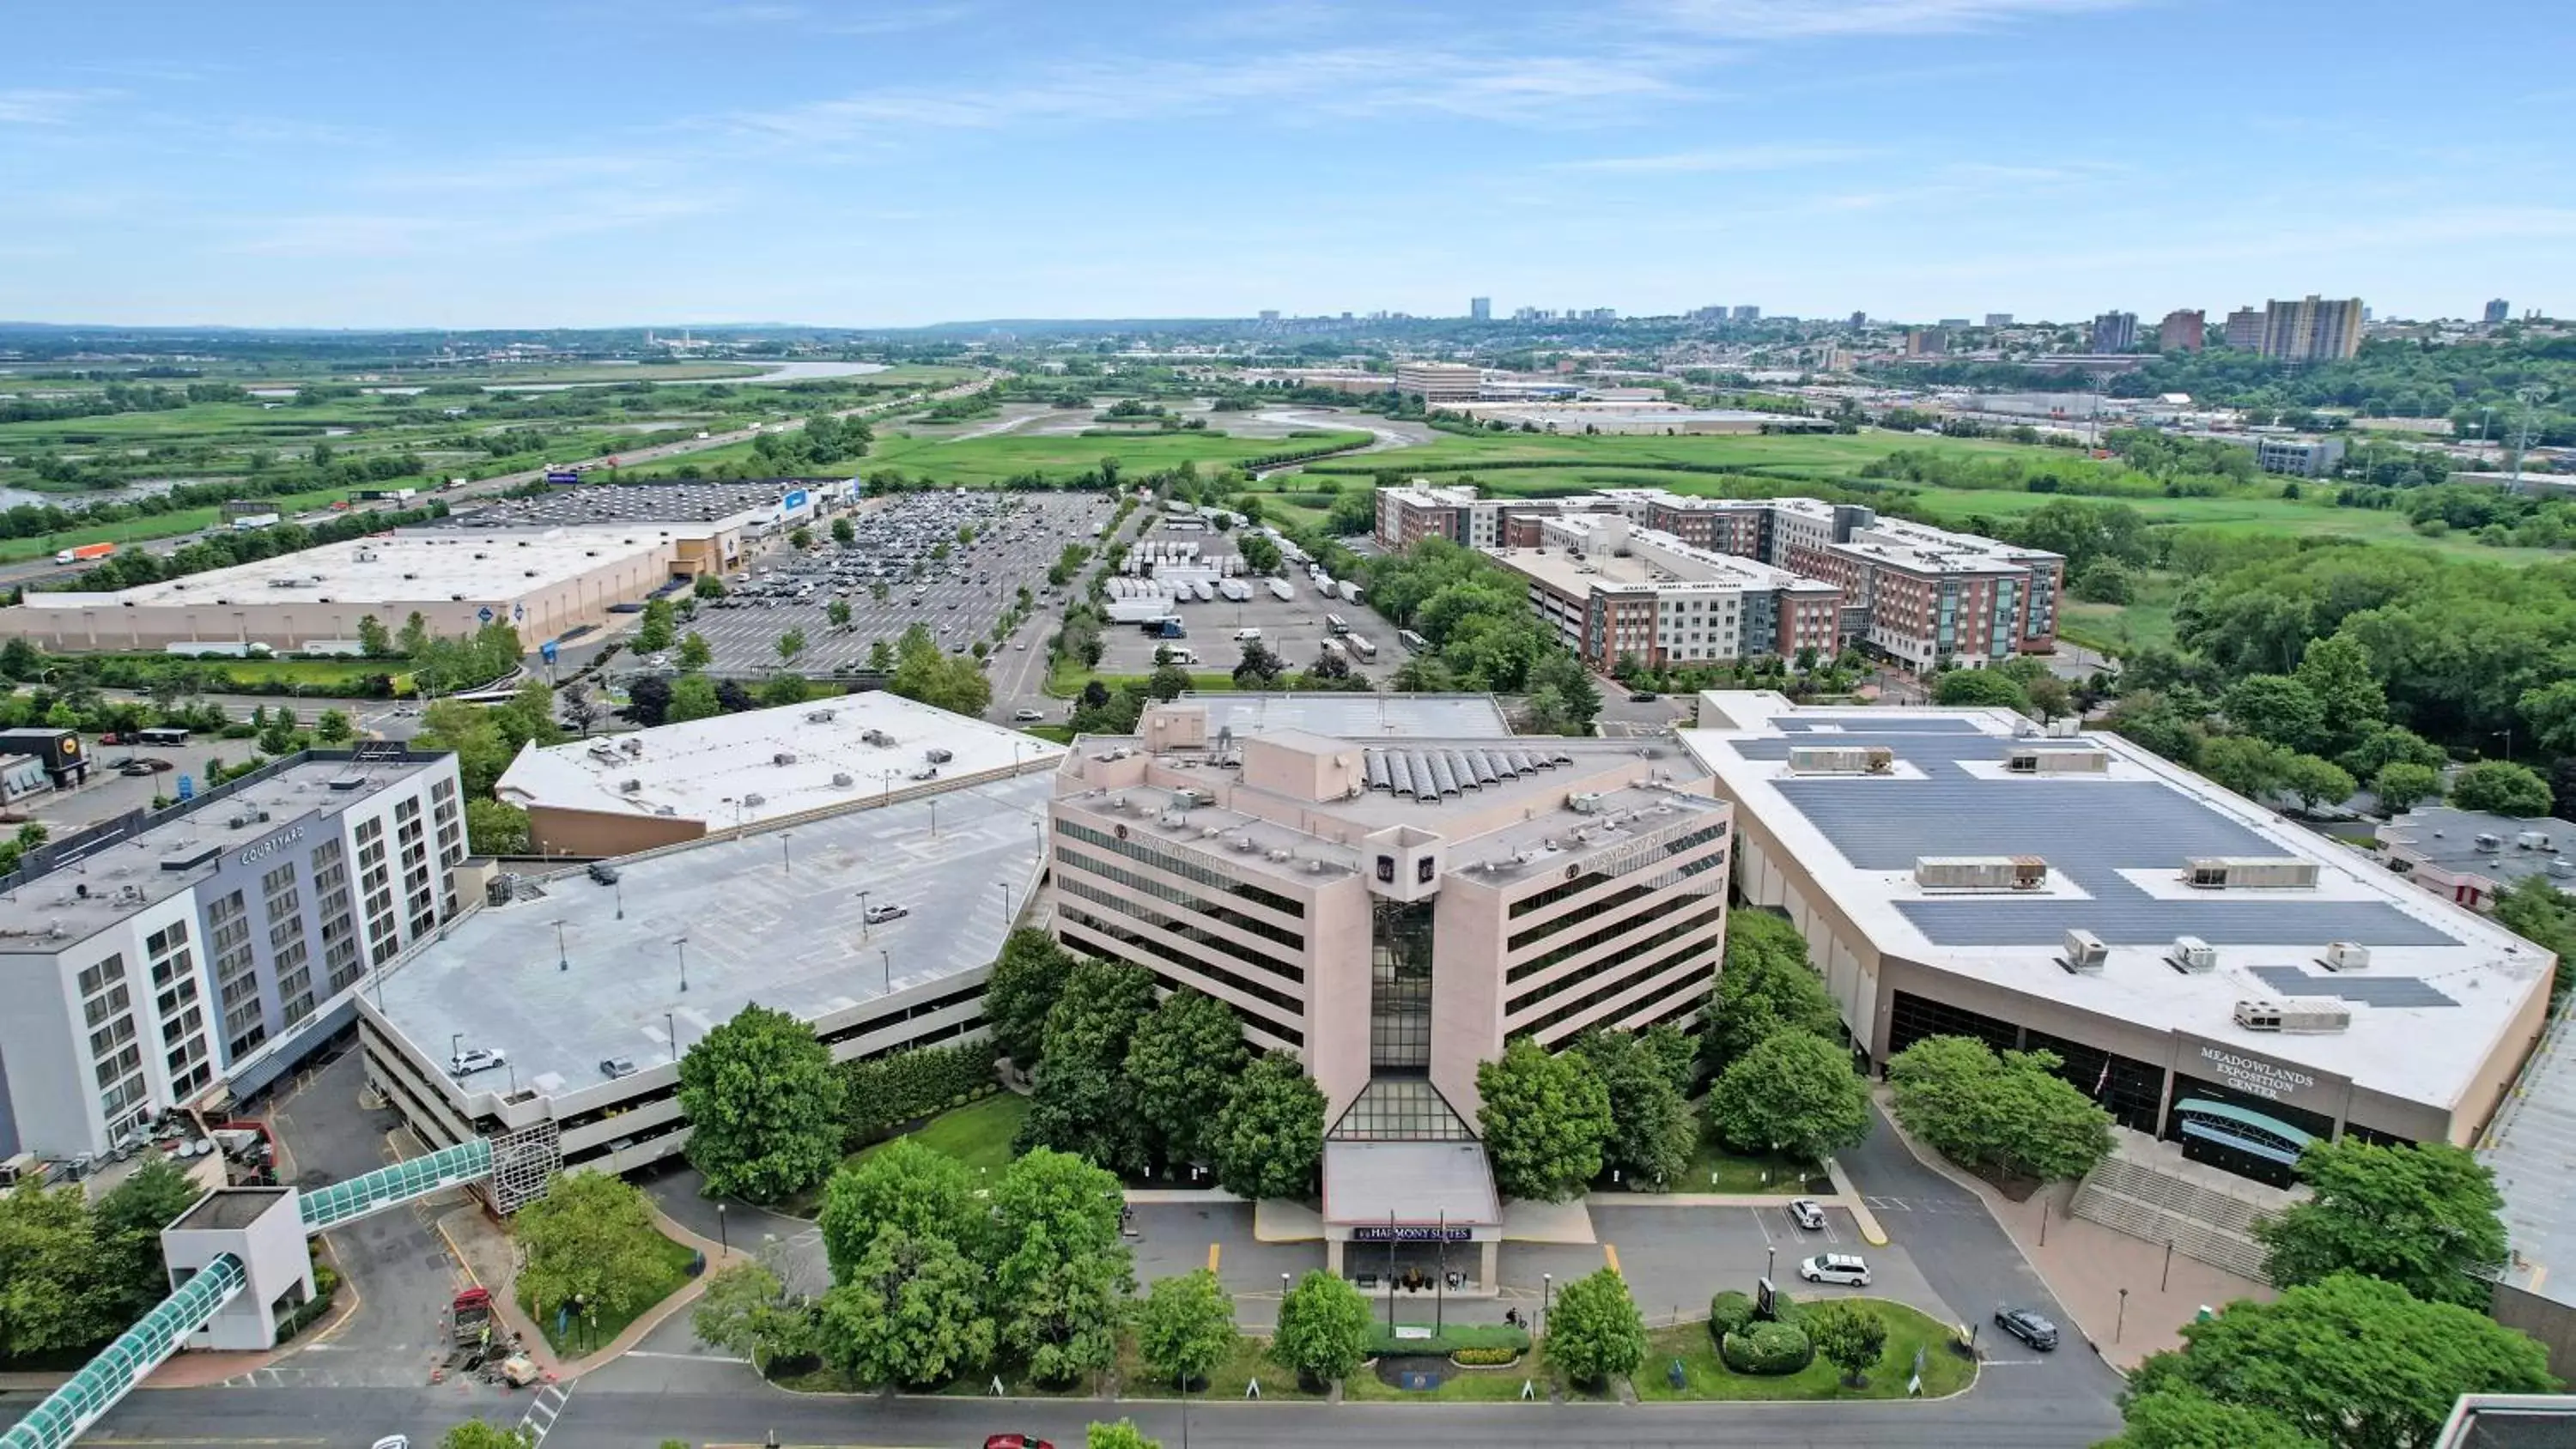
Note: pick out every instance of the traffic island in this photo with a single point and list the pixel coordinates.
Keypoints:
(1912, 1336)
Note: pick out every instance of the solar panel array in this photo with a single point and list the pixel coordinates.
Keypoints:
(1841, 723)
(2367, 990)
(2088, 830)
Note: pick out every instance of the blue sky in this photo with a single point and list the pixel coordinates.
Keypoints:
(663, 161)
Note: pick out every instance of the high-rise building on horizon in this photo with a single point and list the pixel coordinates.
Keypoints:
(2245, 329)
(1859, 320)
(2183, 330)
(2498, 310)
(1926, 342)
(1480, 309)
(1999, 319)
(2115, 331)
(2312, 329)
(1747, 314)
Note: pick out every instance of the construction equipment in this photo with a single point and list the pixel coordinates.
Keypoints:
(470, 1317)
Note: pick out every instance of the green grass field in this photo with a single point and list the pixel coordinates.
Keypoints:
(1705, 1377)
(977, 462)
(1225, 1383)
(158, 525)
(978, 1134)
(1810, 454)
(579, 1339)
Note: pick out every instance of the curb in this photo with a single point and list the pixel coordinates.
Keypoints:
(1870, 1231)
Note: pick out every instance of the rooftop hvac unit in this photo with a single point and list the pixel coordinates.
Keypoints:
(818, 716)
(2221, 872)
(1188, 798)
(2347, 956)
(2192, 954)
(630, 787)
(1277, 857)
(2032, 760)
(2490, 843)
(2307, 1014)
(1841, 759)
(631, 746)
(783, 757)
(1242, 844)
(2532, 840)
(1981, 872)
(1584, 802)
(2561, 867)
(755, 801)
(2085, 952)
(841, 779)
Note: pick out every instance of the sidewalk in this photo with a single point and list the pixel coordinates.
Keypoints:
(2088, 1266)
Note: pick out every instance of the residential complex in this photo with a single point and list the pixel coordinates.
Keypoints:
(1480, 309)
(2215, 977)
(2181, 331)
(1392, 910)
(1919, 595)
(2298, 457)
(589, 988)
(2498, 311)
(2115, 331)
(195, 955)
(2312, 329)
(2245, 329)
(682, 782)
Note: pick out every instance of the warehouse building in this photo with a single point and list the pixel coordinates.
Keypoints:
(559, 1015)
(543, 582)
(2218, 980)
(1391, 910)
(651, 788)
(196, 955)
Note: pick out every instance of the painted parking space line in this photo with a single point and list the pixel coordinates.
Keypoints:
(1213, 1250)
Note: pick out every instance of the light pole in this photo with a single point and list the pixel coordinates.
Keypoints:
(671, 1029)
(1770, 1255)
(1546, 1297)
(889, 969)
(455, 1046)
(864, 928)
(563, 961)
(1006, 903)
(2121, 1323)
(724, 1244)
(683, 943)
(785, 865)
(619, 886)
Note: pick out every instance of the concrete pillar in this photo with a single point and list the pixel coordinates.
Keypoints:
(1488, 1274)
(1333, 1256)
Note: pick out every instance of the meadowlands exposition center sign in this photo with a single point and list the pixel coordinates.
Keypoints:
(2236, 1069)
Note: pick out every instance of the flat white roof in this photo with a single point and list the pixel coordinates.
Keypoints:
(726, 770)
(2434, 1005)
(397, 568)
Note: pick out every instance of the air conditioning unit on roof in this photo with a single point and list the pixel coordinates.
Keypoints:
(2192, 954)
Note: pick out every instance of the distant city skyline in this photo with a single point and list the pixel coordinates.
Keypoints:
(670, 161)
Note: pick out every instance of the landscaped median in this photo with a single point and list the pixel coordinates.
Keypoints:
(1705, 1375)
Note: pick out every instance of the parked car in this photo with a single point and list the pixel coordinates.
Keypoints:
(615, 1067)
(474, 1059)
(1844, 1268)
(1012, 1441)
(602, 872)
(1641, 696)
(879, 915)
(1027, 716)
(2027, 1326)
(1806, 1214)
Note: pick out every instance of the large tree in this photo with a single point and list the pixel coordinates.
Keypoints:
(1186, 1327)
(2336, 673)
(764, 1106)
(746, 1311)
(2501, 787)
(1794, 1093)
(1545, 1118)
(1846, 1335)
(1766, 987)
(1061, 1274)
(1979, 688)
(2183, 1419)
(1184, 1059)
(1027, 978)
(49, 1255)
(2352, 1362)
(1268, 1139)
(2011, 1113)
(1652, 1129)
(2278, 708)
(129, 1223)
(1594, 1332)
(1085, 1103)
(2423, 1218)
(592, 1238)
(911, 1312)
(1323, 1328)
(902, 1187)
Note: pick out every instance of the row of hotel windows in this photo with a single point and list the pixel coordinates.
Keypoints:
(1254, 925)
(1171, 864)
(1713, 912)
(1707, 920)
(1117, 942)
(1541, 900)
(1196, 935)
(1695, 986)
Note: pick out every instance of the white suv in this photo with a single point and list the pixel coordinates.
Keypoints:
(1844, 1268)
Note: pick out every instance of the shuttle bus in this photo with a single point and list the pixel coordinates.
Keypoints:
(1359, 646)
(1413, 643)
(1337, 624)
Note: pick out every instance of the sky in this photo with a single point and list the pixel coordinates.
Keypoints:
(663, 162)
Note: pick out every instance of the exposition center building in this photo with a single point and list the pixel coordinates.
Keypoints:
(2215, 976)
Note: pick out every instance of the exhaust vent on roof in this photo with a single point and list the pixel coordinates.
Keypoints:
(2085, 952)
(2307, 1014)
(2192, 954)
(2346, 956)
(2221, 872)
(1980, 872)
(1841, 760)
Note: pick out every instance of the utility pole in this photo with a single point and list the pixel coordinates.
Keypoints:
(2531, 396)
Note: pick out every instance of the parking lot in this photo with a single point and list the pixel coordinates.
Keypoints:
(959, 596)
(1295, 630)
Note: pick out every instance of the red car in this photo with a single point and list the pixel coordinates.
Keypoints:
(1015, 1441)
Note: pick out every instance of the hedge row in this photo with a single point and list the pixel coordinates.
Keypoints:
(1452, 1338)
(886, 1092)
(1767, 1348)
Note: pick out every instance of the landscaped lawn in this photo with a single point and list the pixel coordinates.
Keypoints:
(1714, 1169)
(1457, 1385)
(579, 1339)
(978, 1134)
(1704, 1377)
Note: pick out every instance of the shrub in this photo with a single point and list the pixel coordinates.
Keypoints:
(886, 1092)
(1483, 1357)
(1784, 1307)
(1729, 1312)
(1767, 1349)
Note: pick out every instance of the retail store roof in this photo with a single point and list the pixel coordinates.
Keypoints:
(391, 568)
(1356, 716)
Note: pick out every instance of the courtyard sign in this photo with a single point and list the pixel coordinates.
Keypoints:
(1412, 1233)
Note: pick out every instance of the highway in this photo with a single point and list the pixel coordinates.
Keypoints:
(44, 568)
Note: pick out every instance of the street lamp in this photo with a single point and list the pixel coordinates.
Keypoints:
(671, 1029)
(785, 865)
(620, 888)
(455, 1045)
(683, 943)
(1770, 1255)
(1006, 903)
(724, 1245)
(889, 969)
(563, 960)
(863, 916)
(1546, 1296)
(2121, 1322)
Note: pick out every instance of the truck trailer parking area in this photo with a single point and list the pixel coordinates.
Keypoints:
(1294, 629)
(958, 596)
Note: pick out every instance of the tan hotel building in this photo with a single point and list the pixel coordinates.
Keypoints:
(1614, 590)
(1391, 909)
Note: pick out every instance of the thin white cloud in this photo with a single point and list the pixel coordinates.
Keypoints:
(1753, 20)
(382, 235)
(1786, 156)
(38, 106)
